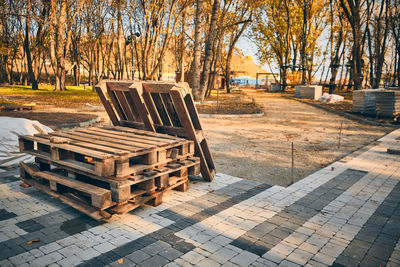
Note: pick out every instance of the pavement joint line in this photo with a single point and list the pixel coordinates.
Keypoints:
(287, 221)
(167, 234)
(89, 224)
(359, 226)
(378, 236)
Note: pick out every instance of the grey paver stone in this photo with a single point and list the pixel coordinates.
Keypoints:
(286, 263)
(70, 261)
(46, 259)
(156, 260)
(221, 240)
(192, 257)
(324, 258)
(88, 254)
(119, 241)
(261, 262)
(36, 253)
(300, 256)
(170, 253)
(208, 263)
(138, 256)
(244, 258)
(309, 248)
(104, 247)
(21, 258)
(182, 262)
(70, 250)
(210, 246)
(223, 255)
(173, 264)
(155, 247)
(6, 263)
(229, 264)
(274, 256)
(46, 249)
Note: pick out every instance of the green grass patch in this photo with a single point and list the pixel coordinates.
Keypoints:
(72, 97)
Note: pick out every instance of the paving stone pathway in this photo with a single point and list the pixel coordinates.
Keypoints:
(347, 214)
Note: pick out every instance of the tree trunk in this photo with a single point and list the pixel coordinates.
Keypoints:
(197, 52)
(209, 49)
(31, 74)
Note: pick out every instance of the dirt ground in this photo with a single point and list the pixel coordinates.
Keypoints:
(260, 148)
(51, 119)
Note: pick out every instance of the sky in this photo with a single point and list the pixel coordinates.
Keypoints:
(250, 49)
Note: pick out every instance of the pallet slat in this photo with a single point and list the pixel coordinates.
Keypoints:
(107, 151)
(167, 108)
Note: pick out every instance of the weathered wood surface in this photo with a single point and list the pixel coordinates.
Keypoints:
(96, 201)
(114, 152)
(159, 107)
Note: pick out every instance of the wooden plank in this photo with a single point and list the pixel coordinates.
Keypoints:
(124, 105)
(133, 146)
(101, 198)
(116, 104)
(207, 172)
(133, 137)
(101, 89)
(151, 107)
(143, 132)
(100, 132)
(159, 128)
(88, 144)
(157, 87)
(133, 106)
(171, 110)
(150, 137)
(119, 85)
(68, 147)
(192, 111)
(107, 141)
(131, 205)
(158, 102)
(142, 110)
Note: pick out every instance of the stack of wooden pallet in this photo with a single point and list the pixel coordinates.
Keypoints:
(105, 170)
(387, 103)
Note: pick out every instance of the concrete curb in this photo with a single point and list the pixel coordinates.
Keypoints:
(256, 115)
(78, 124)
(344, 114)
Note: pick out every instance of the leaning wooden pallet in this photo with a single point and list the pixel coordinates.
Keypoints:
(158, 107)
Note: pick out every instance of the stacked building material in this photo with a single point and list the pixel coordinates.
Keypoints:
(364, 101)
(309, 91)
(387, 103)
(105, 170)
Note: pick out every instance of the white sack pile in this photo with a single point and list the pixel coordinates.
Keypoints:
(10, 128)
(331, 98)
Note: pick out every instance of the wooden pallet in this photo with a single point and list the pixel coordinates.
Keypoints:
(114, 152)
(93, 200)
(123, 190)
(158, 107)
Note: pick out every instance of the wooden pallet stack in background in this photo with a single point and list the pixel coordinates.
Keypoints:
(109, 169)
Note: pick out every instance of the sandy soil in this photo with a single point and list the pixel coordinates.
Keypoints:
(260, 148)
